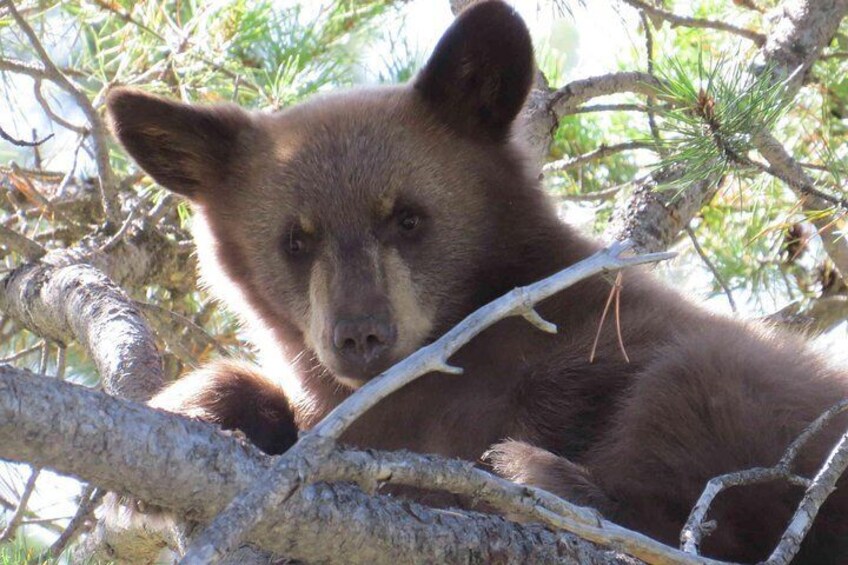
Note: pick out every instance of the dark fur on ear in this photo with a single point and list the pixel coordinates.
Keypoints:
(187, 149)
(481, 71)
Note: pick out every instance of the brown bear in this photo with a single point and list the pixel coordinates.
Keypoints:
(354, 228)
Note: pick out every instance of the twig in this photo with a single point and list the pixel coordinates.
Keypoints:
(599, 153)
(242, 514)
(18, 515)
(23, 353)
(651, 100)
(113, 241)
(27, 248)
(607, 108)
(605, 194)
(699, 250)
(190, 326)
(22, 142)
(677, 20)
(45, 105)
(817, 489)
(161, 208)
(89, 499)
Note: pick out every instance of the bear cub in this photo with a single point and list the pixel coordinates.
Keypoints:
(352, 229)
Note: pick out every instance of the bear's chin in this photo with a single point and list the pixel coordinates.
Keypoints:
(352, 383)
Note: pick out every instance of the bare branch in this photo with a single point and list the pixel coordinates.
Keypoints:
(677, 20)
(817, 490)
(608, 108)
(599, 153)
(45, 105)
(578, 92)
(18, 515)
(22, 142)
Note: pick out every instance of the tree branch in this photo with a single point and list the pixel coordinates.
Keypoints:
(8, 532)
(22, 142)
(599, 153)
(190, 467)
(79, 302)
(654, 220)
(817, 490)
(677, 20)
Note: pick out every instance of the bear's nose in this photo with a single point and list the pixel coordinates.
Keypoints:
(363, 340)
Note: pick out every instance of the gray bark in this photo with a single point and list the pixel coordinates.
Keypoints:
(191, 468)
(78, 302)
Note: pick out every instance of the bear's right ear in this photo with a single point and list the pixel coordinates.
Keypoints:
(481, 71)
(187, 149)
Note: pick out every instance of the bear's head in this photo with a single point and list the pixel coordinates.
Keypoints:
(357, 225)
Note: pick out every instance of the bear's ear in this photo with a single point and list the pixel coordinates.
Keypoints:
(481, 71)
(187, 149)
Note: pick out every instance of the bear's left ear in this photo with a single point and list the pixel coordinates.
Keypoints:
(481, 71)
(188, 149)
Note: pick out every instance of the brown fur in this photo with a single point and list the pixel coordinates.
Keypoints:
(702, 395)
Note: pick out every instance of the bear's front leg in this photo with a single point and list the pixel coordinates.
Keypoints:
(237, 397)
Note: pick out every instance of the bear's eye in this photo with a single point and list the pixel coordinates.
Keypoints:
(294, 243)
(408, 221)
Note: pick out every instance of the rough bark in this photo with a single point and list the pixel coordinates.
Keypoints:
(191, 468)
(79, 303)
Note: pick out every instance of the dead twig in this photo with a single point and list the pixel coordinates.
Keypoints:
(22, 142)
(699, 250)
(89, 499)
(599, 153)
(759, 39)
(99, 133)
(18, 515)
(817, 490)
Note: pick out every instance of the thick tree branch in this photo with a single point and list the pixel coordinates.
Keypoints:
(78, 302)
(192, 468)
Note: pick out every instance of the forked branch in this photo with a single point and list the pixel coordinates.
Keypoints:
(817, 490)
